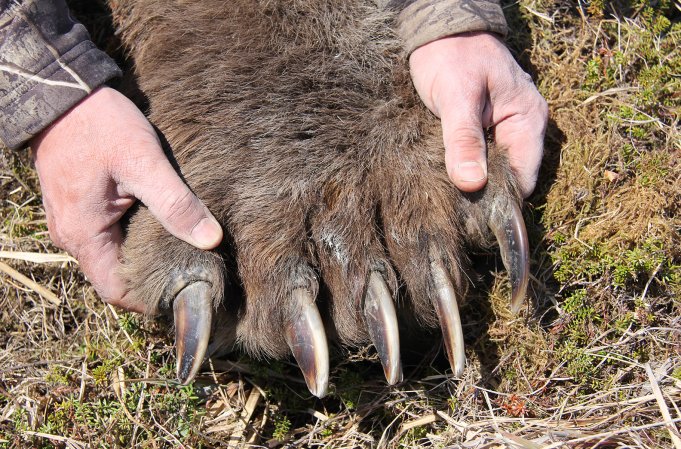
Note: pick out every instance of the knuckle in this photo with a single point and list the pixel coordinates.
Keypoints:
(178, 205)
(56, 238)
(535, 104)
(543, 107)
(56, 234)
(466, 142)
(466, 151)
(538, 98)
(538, 112)
(525, 77)
(91, 255)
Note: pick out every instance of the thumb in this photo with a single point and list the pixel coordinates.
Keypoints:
(176, 207)
(465, 149)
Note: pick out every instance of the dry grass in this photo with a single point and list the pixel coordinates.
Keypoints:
(594, 362)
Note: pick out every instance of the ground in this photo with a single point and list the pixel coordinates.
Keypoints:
(594, 361)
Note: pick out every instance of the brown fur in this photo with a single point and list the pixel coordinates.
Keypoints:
(296, 123)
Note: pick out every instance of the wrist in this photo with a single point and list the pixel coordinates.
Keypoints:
(67, 117)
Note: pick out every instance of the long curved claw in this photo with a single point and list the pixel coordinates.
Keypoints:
(193, 312)
(448, 313)
(307, 340)
(381, 318)
(512, 237)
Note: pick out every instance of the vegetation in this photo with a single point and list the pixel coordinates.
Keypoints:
(595, 360)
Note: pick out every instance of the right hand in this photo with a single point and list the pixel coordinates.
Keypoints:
(93, 164)
(472, 82)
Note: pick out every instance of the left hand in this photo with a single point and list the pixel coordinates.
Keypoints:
(94, 162)
(472, 82)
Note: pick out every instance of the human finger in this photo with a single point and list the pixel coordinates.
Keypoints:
(464, 139)
(172, 202)
(522, 135)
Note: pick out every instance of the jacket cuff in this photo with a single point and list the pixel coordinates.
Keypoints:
(47, 64)
(41, 98)
(424, 21)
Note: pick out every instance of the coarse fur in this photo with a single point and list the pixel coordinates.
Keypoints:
(296, 122)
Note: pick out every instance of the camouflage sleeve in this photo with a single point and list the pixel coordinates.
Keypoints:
(47, 64)
(423, 21)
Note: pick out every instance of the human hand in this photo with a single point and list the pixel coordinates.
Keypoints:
(472, 82)
(93, 163)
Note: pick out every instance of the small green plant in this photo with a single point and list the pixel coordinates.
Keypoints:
(129, 322)
(413, 436)
(102, 372)
(579, 363)
(57, 375)
(349, 388)
(282, 426)
(167, 370)
(676, 374)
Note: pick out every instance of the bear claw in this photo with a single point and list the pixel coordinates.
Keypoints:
(381, 319)
(306, 337)
(509, 229)
(193, 313)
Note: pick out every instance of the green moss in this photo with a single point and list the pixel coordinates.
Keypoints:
(453, 403)
(183, 407)
(167, 370)
(577, 263)
(180, 407)
(593, 74)
(579, 364)
(628, 156)
(581, 309)
(625, 322)
(326, 432)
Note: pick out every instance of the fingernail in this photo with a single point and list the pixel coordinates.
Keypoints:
(207, 233)
(470, 171)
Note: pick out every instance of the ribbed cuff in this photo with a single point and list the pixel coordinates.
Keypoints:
(424, 21)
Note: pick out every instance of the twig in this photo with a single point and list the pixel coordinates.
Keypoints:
(83, 375)
(461, 427)
(118, 390)
(422, 421)
(37, 257)
(384, 435)
(519, 441)
(251, 403)
(611, 91)
(673, 431)
(606, 435)
(33, 365)
(70, 442)
(539, 14)
(652, 276)
(30, 283)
